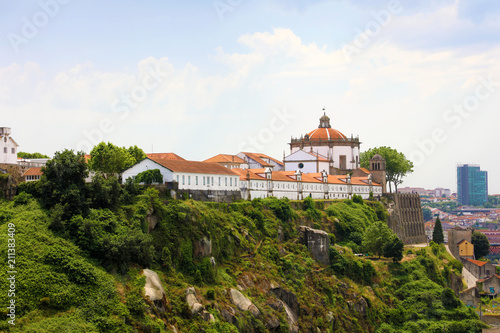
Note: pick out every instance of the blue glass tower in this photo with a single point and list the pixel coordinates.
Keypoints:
(472, 185)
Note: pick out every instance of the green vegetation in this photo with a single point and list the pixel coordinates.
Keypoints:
(396, 164)
(22, 154)
(481, 244)
(437, 233)
(81, 248)
(149, 177)
(110, 160)
(427, 213)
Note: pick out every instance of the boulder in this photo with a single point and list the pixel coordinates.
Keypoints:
(243, 303)
(317, 242)
(151, 219)
(273, 323)
(289, 298)
(207, 316)
(229, 316)
(154, 289)
(203, 247)
(361, 307)
(192, 301)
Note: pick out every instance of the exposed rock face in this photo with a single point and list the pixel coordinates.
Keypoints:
(317, 242)
(273, 323)
(151, 219)
(243, 303)
(290, 303)
(229, 316)
(361, 306)
(192, 301)
(203, 247)
(154, 289)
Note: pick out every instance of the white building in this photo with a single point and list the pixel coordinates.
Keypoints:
(260, 161)
(8, 147)
(295, 185)
(324, 142)
(189, 175)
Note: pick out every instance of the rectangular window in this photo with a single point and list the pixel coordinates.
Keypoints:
(203, 180)
(177, 178)
(226, 180)
(13, 150)
(219, 181)
(230, 181)
(236, 182)
(183, 179)
(196, 180)
(5, 150)
(212, 181)
(189, 180)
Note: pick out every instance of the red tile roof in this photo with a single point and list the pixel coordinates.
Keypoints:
(35, 171)
(258, 157)
(225, 158)
(168, 156)
(477, 262)
(193, 166)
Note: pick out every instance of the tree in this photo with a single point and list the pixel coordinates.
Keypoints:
(149, 177)
(437, 234)
(110, 160)
(427, 213)
(396, 164)
(22, 154)
(481, 244)
(63, 182)
(394, 249)
(376, 238)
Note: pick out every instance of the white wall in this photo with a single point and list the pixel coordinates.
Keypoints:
(200, 181)
(8, 151)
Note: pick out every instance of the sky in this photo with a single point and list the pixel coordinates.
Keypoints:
(200, 78)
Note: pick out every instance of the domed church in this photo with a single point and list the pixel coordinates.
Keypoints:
(323, 148)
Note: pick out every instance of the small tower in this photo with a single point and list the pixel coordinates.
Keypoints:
(377, 169)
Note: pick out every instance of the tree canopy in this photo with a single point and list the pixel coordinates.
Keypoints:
(110, 160)
(394, 249)
(396, 164)
(437, 234)
(427, 213)
(149, 177)
(481, 244)
(22, 154)
(376, 238)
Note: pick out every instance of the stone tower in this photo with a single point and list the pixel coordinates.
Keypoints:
(377, 169)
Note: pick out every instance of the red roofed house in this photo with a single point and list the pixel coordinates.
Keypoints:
(491, 285)
(32, 174)
(189, 175)
(228, 161)
(480, 269)
(260, 161)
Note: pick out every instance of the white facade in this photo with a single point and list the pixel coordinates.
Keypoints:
(214, 176)
(8, 147)
(305, 162)
(298, 185)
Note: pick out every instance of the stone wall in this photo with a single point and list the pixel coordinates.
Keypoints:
(207, 195)
(406, 218)
(480, 272)
(455, 236)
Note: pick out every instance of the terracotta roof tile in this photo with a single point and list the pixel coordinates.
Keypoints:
(35, 171)
(258, 157)
(225, 158)
(168, 156)
(193, 166)
(477, 262)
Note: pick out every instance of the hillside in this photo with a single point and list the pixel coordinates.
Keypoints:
(223, 267)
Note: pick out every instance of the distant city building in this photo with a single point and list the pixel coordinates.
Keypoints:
(436, 193)
(472, 185)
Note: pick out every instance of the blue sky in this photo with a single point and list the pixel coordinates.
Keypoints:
(208, 77)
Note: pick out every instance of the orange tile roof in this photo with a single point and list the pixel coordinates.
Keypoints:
(168, 156)
(258, 157)
(243, 173)
(225, 158)
(477, 262)
(364, 170)
(35, 171)
(193, 166)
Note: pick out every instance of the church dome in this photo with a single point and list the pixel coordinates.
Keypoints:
(325, 133)
(377, 157)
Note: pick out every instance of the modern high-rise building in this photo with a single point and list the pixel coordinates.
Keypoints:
(472, 185)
